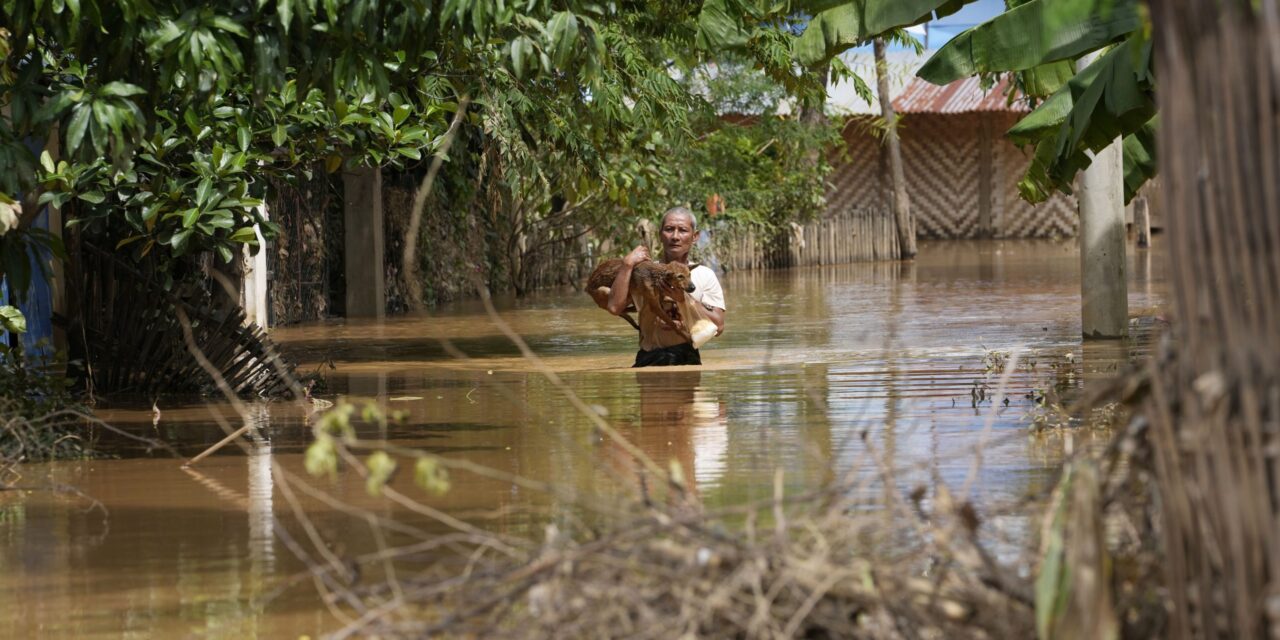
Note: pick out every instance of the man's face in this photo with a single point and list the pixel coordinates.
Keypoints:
(677, 235)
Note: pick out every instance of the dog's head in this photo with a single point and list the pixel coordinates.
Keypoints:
(678, 278)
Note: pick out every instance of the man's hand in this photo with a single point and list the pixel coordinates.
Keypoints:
(637, 255)
(620, 292)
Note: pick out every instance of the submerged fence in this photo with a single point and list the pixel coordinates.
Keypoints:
(857, 234)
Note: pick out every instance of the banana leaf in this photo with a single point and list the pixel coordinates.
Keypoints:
(1033, 34)
(721, 25)
(834, 29)
(1109, 99)
(1139, 150)
(1042, 81)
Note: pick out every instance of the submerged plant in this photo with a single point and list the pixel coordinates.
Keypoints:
(39, 419)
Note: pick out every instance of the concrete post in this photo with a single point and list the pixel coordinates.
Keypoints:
(1103, 286)
(253, 292)
(365, 264)
(1142, 221)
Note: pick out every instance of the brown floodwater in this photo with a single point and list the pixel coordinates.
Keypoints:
(819, 369)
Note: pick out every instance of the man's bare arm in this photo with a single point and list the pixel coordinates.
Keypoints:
(717, 317)
(620, 292)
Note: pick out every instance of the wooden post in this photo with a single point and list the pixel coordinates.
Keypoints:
(364, 259)
(985, 171)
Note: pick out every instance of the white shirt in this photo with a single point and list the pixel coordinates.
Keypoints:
(707, 287)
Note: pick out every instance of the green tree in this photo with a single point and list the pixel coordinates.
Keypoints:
(161, 120)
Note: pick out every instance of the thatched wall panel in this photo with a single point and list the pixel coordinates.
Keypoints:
(942, 155)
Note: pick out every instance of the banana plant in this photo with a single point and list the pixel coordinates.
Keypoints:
(1038, 41)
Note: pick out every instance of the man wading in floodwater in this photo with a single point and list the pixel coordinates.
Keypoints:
(660, 345)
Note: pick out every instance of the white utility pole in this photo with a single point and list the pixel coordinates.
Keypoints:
(1104, 290)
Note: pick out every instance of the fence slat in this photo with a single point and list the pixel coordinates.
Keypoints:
(854, 235)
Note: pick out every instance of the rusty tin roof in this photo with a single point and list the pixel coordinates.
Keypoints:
(961, 96)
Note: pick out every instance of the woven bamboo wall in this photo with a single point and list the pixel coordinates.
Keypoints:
(1015, 217)
(944, 157)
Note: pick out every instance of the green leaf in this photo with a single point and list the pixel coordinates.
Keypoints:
(120, 89)
(180, 240)
(279, 135)
(54, 107)
(321, 457)
(838, 27)
(1139, 152)
(1032, 34)
(229, 25)
(46, 161)
(76, 127)
(128, 241)
(244, 235)
(192, 121)
(380, 467)
(224, 253)
(92, 197)
(401, 114)
(431, 476)
(1042, 81)
(12, 320)
(284, 9)
(521, 47)
(1048, 116)
(563, 31)
(203, 190)
(332, 163)
(719, 27)
(242, 138)
(190, 216)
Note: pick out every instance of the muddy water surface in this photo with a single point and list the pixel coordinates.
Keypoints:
(819, 369)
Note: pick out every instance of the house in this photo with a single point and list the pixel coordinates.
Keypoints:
(961, 171)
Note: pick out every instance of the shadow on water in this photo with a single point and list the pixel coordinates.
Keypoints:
(819, 369)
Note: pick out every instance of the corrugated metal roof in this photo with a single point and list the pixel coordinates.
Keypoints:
(961, 96)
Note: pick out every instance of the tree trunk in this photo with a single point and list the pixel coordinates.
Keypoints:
(1215, 407)
(901, 206)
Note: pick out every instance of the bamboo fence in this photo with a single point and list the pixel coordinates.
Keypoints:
(858, 234)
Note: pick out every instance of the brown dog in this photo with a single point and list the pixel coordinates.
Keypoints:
(657, 286)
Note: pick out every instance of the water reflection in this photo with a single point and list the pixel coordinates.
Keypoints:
(684, 423)
(262, 538)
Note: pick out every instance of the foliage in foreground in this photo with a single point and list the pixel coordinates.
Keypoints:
(859, 557)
